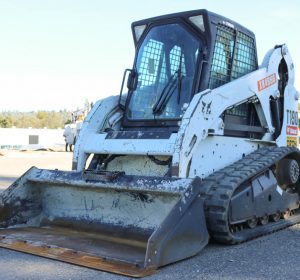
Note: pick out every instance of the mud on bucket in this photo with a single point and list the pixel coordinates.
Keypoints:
(129, 225)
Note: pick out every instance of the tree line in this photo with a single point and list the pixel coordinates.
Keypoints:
(40, 119)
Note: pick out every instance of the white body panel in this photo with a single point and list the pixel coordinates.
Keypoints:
(217, 152)
(96, 143)
(93, 123)
(287, 134)
(200, 147)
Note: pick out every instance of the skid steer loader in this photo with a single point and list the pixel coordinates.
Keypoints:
(203, 143)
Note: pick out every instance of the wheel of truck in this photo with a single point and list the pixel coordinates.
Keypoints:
(275, 217)
(264, 220)
(252, 223)
(288, 173)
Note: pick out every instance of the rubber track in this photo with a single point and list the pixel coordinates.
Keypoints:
(220, 186)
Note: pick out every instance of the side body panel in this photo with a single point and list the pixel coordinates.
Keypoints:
(201, 131)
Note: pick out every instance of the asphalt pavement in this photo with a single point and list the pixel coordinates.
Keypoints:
(275, 256)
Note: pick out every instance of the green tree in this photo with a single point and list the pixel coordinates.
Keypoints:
(5, 122)
(40, 119)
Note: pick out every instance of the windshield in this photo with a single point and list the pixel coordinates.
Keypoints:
(165, 65)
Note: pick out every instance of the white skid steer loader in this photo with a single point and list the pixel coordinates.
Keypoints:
(203, 143)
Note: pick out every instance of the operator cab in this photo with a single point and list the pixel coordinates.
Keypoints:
(166, 65)
(179, 55)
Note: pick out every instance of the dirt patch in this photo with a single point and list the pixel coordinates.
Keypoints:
(15, 163)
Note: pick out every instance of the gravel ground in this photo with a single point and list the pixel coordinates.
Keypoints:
(275, 256)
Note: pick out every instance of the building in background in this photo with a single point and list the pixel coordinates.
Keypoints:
(31, 139)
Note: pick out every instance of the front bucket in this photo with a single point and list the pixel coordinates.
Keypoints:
(128, 225)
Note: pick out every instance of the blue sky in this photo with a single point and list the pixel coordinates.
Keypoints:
(54, 54)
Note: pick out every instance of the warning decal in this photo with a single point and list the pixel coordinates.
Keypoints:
(266, 82)
(291, 141)
(292, 130)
